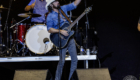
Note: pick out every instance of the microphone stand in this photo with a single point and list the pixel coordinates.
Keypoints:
(87, 26)
(6, 26)
(59, 33)
(1, 38)
(70, 12)
(86, 38)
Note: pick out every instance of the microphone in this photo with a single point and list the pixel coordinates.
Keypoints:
(58, 7)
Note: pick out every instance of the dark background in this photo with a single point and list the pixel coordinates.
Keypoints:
(116, 25)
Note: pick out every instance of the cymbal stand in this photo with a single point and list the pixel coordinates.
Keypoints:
(1, 38)
(70, 13)
(0, 33)
(22, 49)
(20, 22)
(6, 28)
(13, 41)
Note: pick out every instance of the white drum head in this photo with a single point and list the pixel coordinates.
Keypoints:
(38, 39)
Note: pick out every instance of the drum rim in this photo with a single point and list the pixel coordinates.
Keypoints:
(25, 38)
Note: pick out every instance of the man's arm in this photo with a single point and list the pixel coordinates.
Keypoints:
(71, 6)
(30, 5)
(138, 25)
(76, 2)
(63, 32)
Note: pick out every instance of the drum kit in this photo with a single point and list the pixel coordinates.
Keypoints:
(35, 38)
(26, 38)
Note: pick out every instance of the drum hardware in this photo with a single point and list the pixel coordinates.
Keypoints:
(34, 40)
(20, 21)
(94, 50)
(1, 38)
(12, 37)
(28, 14)
(95, 47)
(21, 32)
(14, 48)
(6, 28)
(1, 7)
(21, 37)
(22, 49)
(41, 30)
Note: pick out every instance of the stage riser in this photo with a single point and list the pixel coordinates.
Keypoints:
(30, 75)
(83, 74)
(93, 74)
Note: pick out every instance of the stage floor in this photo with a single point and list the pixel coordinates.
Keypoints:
(44, 58)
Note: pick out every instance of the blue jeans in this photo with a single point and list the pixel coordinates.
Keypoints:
(62, 53)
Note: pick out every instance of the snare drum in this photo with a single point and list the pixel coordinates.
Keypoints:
(38, 40)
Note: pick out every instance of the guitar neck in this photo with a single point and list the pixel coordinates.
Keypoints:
(76, 20)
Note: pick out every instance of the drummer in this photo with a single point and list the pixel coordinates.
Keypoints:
(38, 7)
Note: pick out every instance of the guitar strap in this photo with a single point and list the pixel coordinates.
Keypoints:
(65, 16)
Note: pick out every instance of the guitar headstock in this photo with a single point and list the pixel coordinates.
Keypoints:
(87, 10)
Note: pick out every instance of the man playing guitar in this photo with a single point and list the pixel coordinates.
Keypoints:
(53, 27)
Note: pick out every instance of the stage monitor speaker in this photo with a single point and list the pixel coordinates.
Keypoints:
(30, 75)
(93, 74)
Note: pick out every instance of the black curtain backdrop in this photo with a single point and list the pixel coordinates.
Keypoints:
(116, 25)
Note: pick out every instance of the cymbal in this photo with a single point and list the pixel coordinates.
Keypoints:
(1, 7)
(28, 14)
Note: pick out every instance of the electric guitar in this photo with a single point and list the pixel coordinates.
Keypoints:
(54, 37)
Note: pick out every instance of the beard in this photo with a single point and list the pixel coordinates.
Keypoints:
(57, 7)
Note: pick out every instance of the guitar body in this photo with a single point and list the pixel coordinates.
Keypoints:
(64, 39)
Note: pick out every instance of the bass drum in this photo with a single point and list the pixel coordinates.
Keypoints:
(38, 40)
